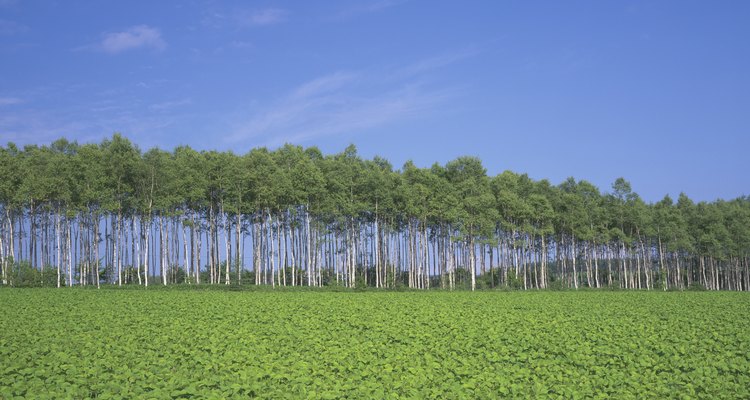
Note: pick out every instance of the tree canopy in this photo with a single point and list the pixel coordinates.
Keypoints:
(103, 213)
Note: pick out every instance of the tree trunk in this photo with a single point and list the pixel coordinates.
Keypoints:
(238, 246)
(57, 247)
(70, 254)
(187, 256)
(573, 250)
(307, 251)
(472, 262)
(227, 246)
(146, 231)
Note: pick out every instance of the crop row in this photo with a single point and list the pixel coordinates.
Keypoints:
(182, 344)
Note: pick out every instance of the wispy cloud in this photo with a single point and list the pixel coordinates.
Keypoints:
(9, 101)
(439, 61)
(12, 27)
(137, 37)
(345, 102)
(30, 126)
(264, 17)
(366, 8)
(241, 44)
(243, 18)
(323, 85)
(169, 105)
(45, 114)
(87, 124)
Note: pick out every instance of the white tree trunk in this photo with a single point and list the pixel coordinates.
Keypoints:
(147, 230)
(70, 256)
(294, 266)
(227, 247)
(57, 246)
(270, 238)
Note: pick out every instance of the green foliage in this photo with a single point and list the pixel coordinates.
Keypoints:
(21, 274)
(570, 234)
(313, 344)
(514, 282)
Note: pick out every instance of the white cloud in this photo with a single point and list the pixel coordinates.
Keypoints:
(46, 114)
(241, 18)
(86, 123)
(345, 102)
(439, 61)
(268, 16)
(241, 44)
(366, 8)
(140, 36)
(11, 27)
(323, 85)
(168, 105)
(9, 101)
(340, 115)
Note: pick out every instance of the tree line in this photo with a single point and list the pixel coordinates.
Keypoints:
(108, 213)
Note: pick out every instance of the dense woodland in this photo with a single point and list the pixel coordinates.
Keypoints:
(108, 213)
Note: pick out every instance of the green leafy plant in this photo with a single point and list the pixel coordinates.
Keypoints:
(321, 344)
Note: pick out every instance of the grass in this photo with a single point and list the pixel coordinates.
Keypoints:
(324, 344)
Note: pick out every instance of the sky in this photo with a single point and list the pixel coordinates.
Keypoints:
(657, 92)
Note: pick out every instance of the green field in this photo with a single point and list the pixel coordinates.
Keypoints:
(315, 344)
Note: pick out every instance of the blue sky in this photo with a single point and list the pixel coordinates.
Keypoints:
(656, 92)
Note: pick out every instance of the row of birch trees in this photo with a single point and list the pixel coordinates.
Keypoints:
(109, 213)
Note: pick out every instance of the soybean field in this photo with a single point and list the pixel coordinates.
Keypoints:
(170, 343)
